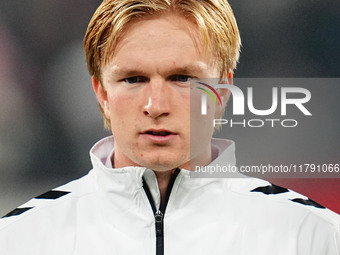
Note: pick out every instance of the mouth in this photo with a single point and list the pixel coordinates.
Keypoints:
(159, 135)
(159, 132)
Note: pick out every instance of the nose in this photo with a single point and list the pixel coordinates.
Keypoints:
(157, 103)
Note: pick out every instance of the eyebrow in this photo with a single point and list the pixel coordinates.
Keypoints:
(189, 69)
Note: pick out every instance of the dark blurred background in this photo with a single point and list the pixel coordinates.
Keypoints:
(49, 117)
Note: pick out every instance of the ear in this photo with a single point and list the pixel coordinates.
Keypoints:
(224, 92)
(101, 95)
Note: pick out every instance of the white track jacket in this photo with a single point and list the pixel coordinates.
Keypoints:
(117, 212)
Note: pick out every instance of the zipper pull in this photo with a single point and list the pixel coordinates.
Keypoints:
(159, 223)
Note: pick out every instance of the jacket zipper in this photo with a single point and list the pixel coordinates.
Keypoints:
(159, 213)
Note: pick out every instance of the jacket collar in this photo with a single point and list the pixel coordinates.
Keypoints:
(223, 152)
(111, 179)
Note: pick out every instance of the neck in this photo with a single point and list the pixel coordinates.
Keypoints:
(163, 179)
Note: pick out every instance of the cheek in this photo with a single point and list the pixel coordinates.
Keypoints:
(196, 106)
(201, 126)
(120, 104)
(118, 109)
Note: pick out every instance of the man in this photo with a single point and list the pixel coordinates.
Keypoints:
(139, 197)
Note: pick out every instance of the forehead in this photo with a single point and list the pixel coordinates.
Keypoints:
(167, 39)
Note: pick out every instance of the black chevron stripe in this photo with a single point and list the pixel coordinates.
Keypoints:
(52, 194)
(17, 211)
(308, 202)
(270, 189)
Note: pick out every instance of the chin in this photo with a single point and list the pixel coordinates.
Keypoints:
(162, 163)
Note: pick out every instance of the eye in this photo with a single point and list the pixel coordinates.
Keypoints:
(180, 78)
(135, 79)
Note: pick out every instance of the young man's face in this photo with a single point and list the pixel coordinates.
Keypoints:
(147, 93)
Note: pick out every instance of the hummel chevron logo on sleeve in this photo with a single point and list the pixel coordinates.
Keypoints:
(52, 194)
(17, 211)
(308, 202)
(270, 189)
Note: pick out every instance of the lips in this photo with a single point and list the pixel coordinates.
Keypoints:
(158, 132)
(159, 135)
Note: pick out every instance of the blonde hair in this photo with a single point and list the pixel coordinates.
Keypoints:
(214, 18)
